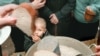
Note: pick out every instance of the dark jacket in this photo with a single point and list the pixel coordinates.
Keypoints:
(62, 9)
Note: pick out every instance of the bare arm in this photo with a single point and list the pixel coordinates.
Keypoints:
(5, 19)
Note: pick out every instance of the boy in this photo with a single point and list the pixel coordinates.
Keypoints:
(39, 33)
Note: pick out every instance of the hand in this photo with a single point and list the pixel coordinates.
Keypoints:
(90, 11)
(35, 38)
(37, 4)
(98, 51)
(7, 20)
(54, 19)
(7, 9)
(89, 14)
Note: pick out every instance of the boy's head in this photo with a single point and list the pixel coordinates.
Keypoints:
(40, 27)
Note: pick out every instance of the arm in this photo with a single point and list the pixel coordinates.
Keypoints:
(5, 19)
(7, 8)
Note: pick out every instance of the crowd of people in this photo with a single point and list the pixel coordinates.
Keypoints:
(78, 19)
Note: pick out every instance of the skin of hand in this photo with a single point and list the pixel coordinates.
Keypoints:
(89, 11)
(37, 4)
(97, 50)
(89, 14)
(5, 19)
(35, 38)
(54, 19)
(7, 9)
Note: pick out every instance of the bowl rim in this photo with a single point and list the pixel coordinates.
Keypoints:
(4, 34)
(33, 48)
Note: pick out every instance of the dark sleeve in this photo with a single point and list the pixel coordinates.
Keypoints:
(66, 9)
(45, 11)
(27, 43)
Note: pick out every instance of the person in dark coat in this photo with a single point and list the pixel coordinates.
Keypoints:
(57, 14)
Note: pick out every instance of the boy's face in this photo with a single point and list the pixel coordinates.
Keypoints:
(40, 30)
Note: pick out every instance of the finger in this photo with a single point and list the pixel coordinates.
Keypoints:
(55, 22)
(8, 8)
(51, 21)
(11, 6)
(97, 54)
(97, 48)
(6, 13)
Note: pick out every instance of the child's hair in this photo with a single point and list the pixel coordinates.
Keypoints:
(40, 21)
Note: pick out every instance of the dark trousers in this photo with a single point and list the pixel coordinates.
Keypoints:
(83, 31)
(18, 39)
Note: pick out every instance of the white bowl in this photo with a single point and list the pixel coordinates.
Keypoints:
(66, 41)
(4, 34)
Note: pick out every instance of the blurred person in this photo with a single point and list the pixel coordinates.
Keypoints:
(57, 14)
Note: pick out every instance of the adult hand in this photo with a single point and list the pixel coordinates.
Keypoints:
(7, 20)
(97, 50)
(89, 14)
(54, 19)
(37, 4)
(7, 9)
